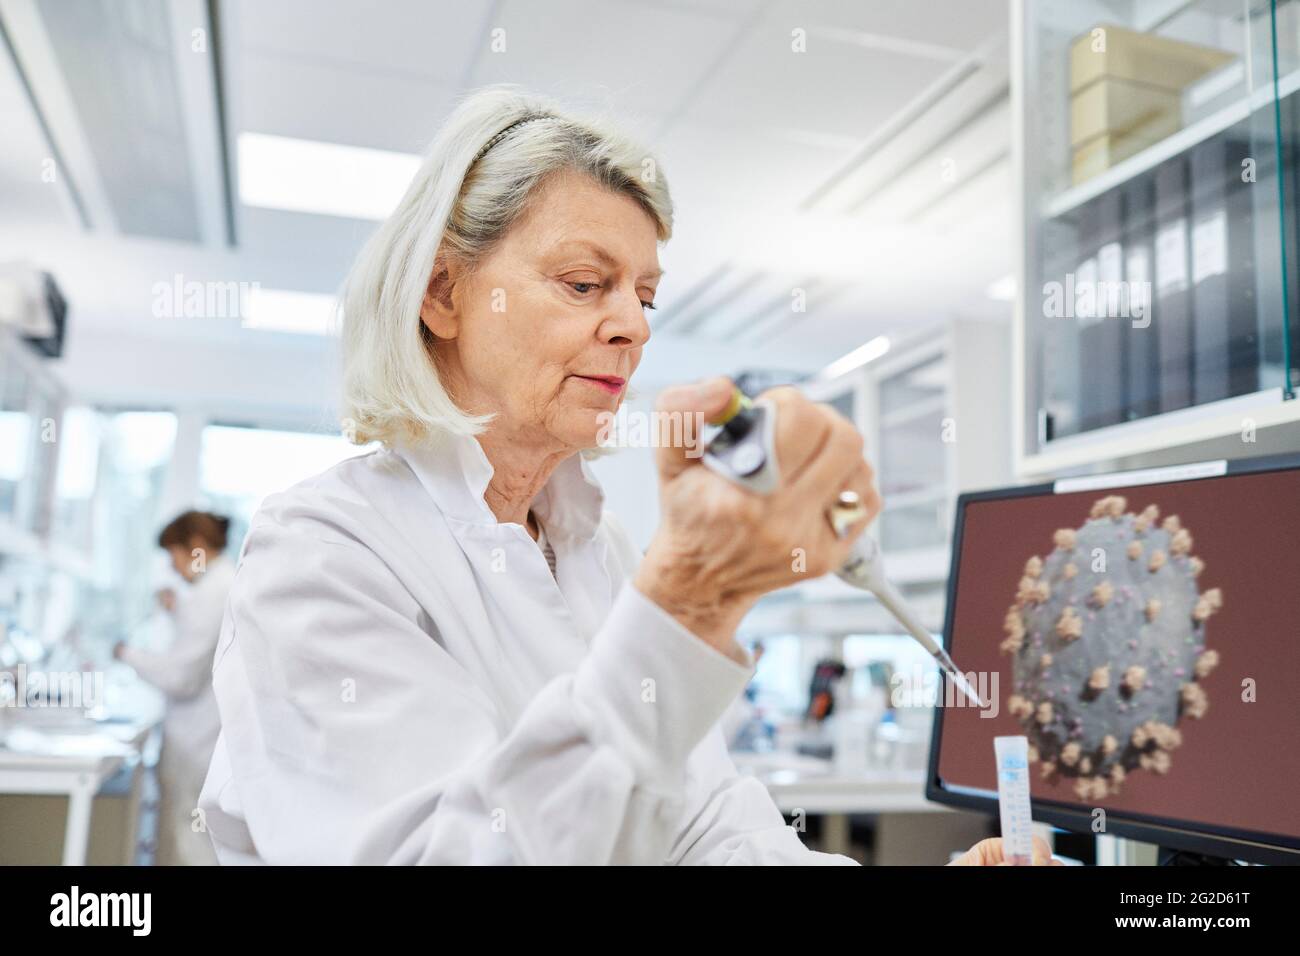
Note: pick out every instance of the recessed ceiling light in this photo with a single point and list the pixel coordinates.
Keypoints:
(282, 310)
(302, 175)
(857, 358)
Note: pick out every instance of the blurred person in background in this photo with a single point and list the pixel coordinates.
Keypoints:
(196, 543)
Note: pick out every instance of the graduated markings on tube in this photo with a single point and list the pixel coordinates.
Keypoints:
(1013, 799)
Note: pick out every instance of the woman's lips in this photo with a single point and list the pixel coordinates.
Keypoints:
(612, 384)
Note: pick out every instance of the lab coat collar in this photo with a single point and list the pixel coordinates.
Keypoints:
(455, 471)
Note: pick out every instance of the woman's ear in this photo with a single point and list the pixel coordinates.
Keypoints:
(438, 310)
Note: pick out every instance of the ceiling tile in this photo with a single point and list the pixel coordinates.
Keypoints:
(745, 169)
(833, 87)
(403, 37)
(381, 111)
(639, 58)
(962, 25)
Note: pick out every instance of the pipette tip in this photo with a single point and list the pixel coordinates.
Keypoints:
(964, 685)
(957, 677)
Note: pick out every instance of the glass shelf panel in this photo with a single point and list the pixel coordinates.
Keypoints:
(1155, 258)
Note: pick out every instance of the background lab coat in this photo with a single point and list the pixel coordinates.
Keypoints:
(401, 680)
(184, 674)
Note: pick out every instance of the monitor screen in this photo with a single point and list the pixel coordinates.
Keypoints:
(1143, 632)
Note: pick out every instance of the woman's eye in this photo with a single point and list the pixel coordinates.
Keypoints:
(582, 288)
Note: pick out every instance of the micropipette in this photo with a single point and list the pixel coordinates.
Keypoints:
(744, 452)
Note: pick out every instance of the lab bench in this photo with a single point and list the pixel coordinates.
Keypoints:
(909, 828)
(61, 754)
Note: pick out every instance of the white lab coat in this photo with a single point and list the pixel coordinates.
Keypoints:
(401, 680)
(191, 723)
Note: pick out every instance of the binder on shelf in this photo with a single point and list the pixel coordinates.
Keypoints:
(1172, 308)
(1101, 360)
(1226, 359)
(1081, 318)
(1141, 353)
(1059, 403)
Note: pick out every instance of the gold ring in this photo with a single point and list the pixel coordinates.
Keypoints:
(847, 511)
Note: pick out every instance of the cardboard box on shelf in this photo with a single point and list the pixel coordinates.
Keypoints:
(1140, 58)
(1117, 107)
(1126, 93)
(1102, 152)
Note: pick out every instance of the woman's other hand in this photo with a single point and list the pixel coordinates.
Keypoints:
(719, 547)
(167, 598)
(989, 853)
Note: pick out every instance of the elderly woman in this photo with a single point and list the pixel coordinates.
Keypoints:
(446, 650)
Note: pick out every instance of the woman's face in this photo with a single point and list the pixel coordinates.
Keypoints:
(548, 331)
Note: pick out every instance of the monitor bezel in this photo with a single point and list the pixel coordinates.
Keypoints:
(1226, 842)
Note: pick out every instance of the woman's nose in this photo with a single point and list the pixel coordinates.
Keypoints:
(626, 325)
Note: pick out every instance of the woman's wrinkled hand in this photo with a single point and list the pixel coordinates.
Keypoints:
(719, 546)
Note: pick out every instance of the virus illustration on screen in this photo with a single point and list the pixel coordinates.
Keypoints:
(1107, 638)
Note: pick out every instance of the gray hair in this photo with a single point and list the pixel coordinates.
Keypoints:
(477, 179)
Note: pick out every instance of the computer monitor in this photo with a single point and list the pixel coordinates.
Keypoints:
(1142, 629)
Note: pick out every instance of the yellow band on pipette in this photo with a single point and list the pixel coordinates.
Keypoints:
(739, 401)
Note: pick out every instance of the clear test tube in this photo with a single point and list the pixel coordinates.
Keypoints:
(1013, 800)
